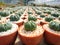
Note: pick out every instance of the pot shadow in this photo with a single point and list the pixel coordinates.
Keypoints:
(43, 42)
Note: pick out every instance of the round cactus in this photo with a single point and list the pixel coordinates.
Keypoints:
(54, 25)
(42, 16)
(5, 27)
(4, 14)
(0, 13)
(38, 12)
(2, 28)
(30, 26)
(32, 18)
(55, 14)
(47, 11)
(30, 12)
(48, 18)
(14, 17)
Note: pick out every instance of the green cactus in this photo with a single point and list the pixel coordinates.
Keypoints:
(4, 14)
(14, 17)
(54, 25)
(48, 18)
(32, 18)
(30, 12)
(5, 27)
(47, 11)
(38, 12)
(55, 14)
(30, 26)
(42, 16)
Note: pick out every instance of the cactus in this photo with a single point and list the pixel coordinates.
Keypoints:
(32, 18)
(54, 25)
(48, 18)
(14, 17)
(5, 27)
(30, 26)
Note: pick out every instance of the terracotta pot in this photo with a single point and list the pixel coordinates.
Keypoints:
(30, 40)
(19, 23)
(42, 22)
(51, 37)
(8, 39)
